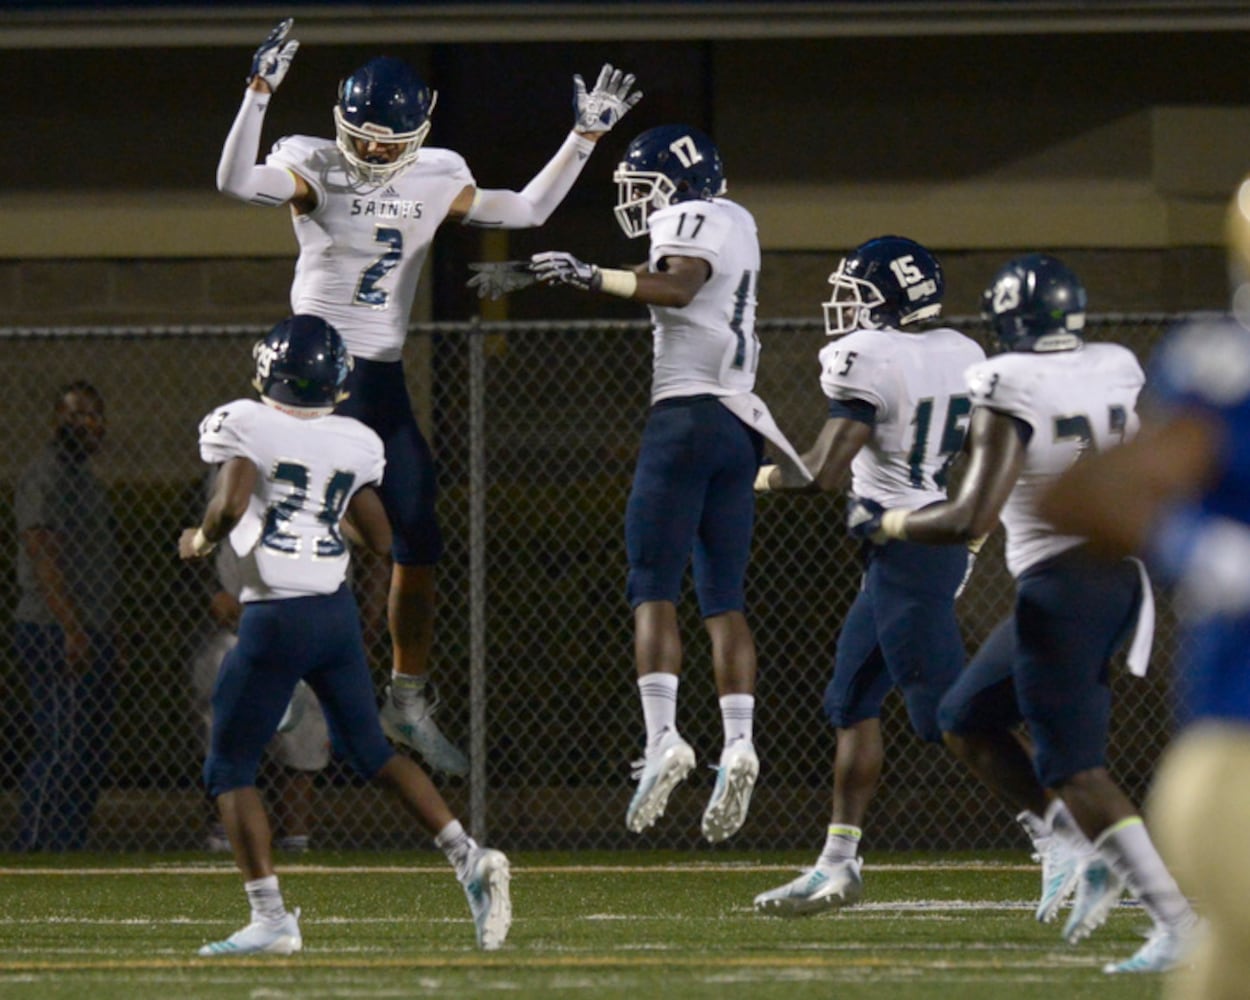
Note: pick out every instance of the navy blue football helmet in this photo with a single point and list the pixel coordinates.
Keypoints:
(663, 166)
(1035, 303)
(302, 363)
(888, 281)
(386, 102)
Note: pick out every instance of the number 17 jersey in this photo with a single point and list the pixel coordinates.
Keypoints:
(709, 345)
(289, 541)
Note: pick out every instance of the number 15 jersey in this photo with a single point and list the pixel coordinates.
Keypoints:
(915, 385)
(289, 542)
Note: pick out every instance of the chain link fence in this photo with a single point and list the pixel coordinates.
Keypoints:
(536, 427)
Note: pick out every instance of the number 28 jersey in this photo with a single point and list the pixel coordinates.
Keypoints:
(289, 541)
(709, 345)
(361, 250)
(1072, 401)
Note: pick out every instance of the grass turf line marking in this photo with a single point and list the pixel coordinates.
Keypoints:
(478, 961)
(683, 869)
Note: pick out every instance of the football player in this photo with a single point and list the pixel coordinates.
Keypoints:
(898, 409)
(1175, 494)
(301, 747)
(365, 206)
(1047, 399)
(704, 437)
(290, 472)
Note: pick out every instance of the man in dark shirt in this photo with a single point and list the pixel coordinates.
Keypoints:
(63, 624)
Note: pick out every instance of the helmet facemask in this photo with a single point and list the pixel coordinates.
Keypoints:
(851, 304)
(347, 134)
(638, 194)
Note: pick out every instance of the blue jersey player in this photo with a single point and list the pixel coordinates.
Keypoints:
(692, 492)
(1042, 402)
(1180, 494)
(366, 206)
(291, 474)
(898, 408)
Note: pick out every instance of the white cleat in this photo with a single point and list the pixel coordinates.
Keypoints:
(657, 775)
(260, 937)
(1061, 865)
(486, 886)
(1098, 890)
(735, 780)
(413, 725)
(816, 890)
(1167, 947)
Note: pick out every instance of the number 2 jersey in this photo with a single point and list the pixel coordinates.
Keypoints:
(1072, 401)
(709, 345)
(289, 542)
(915, 385)
(361, 250)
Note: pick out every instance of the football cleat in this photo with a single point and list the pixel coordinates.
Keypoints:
(816, 890)
(1061, 863)
(1167, 946)
(413, 725)
(657, 775)
(1098, 889)
(485, 884)
(735, 780)
(260, 937)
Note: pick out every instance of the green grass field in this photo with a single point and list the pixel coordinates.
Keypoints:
(637, 925)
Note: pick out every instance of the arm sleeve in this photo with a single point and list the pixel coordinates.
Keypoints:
(533, 205)
(238, 173)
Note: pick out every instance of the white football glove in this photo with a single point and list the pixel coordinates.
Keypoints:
(492, 279)
(273, 58)
(555, 267)
(607, 104)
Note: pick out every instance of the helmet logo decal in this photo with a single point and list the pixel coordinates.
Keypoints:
(1006, 294)
(264, 355)
(686, 151)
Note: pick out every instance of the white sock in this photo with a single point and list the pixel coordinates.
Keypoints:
(841, 844)
(659, 705)
(456, 844)
(1128, 849)
(737, 712)
(1063, 824)
(1034, 825)
(266, 899)
(406, 688)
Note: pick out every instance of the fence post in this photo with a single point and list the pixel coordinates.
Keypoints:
(477, 583)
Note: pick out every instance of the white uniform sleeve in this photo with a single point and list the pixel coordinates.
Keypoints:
(685, 230)
(533, 204)
(1000, 385)
(847, 371)
(223, 435)
(238, 173)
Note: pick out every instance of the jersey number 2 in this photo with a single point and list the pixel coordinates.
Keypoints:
(368, 289)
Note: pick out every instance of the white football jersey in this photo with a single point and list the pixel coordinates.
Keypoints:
(289, 541)
(916, 383)
(361, 250)
(1074, 401)
(709, 346)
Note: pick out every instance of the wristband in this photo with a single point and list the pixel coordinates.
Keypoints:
(762, 484)
(622, 283)
(894, 524)
(200, 544)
